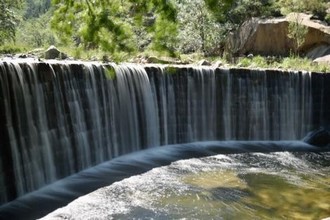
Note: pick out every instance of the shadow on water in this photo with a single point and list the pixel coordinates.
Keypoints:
(228, 194)
(43, 201)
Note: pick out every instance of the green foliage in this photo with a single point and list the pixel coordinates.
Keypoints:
(164, 38)
(110, 73)
(254, 62)
(199, 30)
(36, 31)
(119, 29)
(327, 18)
(287, 63)
(297, 63)
(220, 8)
(171, 70)
(297, 32)
(236, 12)
(109, 24)
(36, 8)
(8, 19)
(316, 7)
(11, 48)
(186, 26)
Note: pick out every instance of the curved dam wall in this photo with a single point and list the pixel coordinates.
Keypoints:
(58, 118)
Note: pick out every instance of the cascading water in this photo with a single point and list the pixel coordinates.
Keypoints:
(62, 118)
(58, 118)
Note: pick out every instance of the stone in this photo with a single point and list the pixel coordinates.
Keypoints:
(106, 59)
(21, 55)
(318, 51)
(161, 60)
(319, 138)
(250, 56)
(322, 60)
(270, 36)
(218, 64)
(53, 53)
(204, 63)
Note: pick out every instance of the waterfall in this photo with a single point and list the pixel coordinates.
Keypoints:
(60, 117)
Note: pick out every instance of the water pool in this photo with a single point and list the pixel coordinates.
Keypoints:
(280, 185)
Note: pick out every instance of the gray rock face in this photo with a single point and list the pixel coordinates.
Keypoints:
(259, 36)
(319, 138)
(53, 53)
(270, 36)
(204, 63)
(318, 51)
(323, 60)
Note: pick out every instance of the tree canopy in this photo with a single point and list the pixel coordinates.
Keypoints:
(112, 24)
(8, 19)
(183, 26)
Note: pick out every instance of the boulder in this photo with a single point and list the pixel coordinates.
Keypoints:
(318, 51)
(260, 36)
(270, 36)
(53, 53)
(204, 63)
(217, 64)
(318, 32)
(322, 60)
(319, 138)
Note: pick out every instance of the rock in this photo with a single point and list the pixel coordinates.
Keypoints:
(22, 55)
(53, 53)
(38, 52)
(153, 59)
(318, 32)
(204, 63)
(270, 36)
(6, 55)
(250, 56)
(318, 51)
(319, 138)
(260, 36)
(217, 64)
(322, 60)
(162, 60)
(106, 59)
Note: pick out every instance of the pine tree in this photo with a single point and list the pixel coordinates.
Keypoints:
(8, 19)
(112, 25)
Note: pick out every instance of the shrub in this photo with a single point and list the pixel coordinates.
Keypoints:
(11, 48)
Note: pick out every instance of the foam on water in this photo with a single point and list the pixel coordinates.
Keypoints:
(216, 187)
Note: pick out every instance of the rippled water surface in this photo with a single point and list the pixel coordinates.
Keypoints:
(238, 186)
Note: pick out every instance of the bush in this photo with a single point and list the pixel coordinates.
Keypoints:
(36, 32)
(12, 48)
(254, 62)
(316, 7)
(297, 63)
(199, 29)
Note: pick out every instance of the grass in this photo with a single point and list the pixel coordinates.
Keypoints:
(285, 63)
(79, 53)
(13, 48)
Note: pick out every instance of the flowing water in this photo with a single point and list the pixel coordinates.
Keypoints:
(61, 117)
(279, 185)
